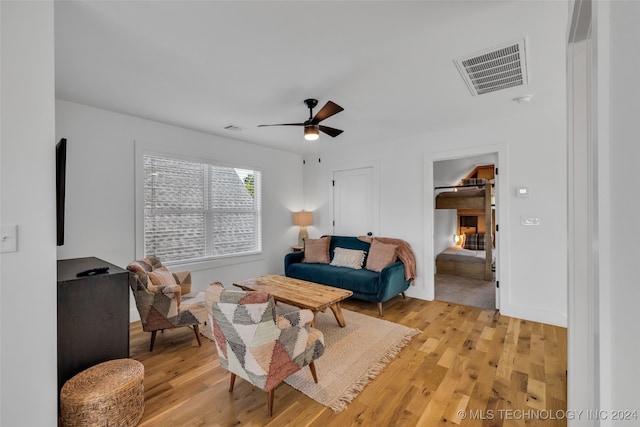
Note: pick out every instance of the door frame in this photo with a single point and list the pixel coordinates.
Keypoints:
(589, 348)
(502, 215)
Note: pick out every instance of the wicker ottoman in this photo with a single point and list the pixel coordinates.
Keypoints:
(108, 394)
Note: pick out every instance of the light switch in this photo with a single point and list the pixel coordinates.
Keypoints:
(9, 238)
(522, 192)
(529, 220)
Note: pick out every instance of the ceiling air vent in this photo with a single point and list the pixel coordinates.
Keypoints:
(495, 69)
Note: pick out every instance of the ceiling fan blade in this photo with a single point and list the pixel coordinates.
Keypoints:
(284, 124)
(329, 109)
(330, 131)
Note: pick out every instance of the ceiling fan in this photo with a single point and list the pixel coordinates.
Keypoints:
(312, 126)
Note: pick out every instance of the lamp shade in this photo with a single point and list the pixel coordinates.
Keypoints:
(311, 133)
(302, 218)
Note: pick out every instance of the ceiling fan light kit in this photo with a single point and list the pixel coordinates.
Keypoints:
(312, 126)
(311, 132)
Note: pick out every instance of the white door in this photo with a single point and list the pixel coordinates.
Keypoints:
(353, 202)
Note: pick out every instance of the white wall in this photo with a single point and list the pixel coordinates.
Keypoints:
(624, 284)
(28, 368)
(445, 226)
(533, 285)
(100, 211)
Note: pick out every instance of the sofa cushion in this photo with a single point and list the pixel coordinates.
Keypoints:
(316, 250)
(319, 273)
(351, 258)
(359, 281)
(381, 255)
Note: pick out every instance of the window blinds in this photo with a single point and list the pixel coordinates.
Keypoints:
(195, 211)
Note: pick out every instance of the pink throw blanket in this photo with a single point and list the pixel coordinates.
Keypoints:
(405, 253)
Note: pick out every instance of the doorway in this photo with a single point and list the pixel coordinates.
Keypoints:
(462, 274)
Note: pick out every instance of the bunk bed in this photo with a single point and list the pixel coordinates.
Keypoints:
(475, 257)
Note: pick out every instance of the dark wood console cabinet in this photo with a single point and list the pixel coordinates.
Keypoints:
(93, 316)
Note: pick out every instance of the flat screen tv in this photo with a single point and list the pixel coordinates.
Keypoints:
(61, 164)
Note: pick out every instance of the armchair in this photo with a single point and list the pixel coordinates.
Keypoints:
(255, 344)
(158, 293)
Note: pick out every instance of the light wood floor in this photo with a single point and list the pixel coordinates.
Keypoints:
(499, 370)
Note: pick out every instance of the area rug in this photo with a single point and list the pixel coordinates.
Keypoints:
(353, 356)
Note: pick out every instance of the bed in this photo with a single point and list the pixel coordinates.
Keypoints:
(473, 258)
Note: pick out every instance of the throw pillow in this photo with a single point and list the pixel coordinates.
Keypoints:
(381, 255)
(351, 258)
(474, 242)
(317, 250)
(161, 277)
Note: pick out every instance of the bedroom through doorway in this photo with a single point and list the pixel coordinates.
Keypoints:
(464, 231)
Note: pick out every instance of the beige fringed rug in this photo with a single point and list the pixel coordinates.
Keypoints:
(353, 356)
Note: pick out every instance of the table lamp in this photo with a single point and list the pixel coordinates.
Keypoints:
(302, 219)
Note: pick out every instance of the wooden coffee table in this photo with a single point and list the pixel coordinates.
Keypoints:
(300, 293)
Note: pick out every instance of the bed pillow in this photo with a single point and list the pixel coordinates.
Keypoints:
(381, 255)
(474, 242)
(316, 250)
(351, 258)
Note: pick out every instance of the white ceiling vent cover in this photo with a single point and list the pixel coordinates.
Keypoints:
(494, 69)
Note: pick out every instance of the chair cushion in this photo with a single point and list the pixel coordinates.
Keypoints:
(162, 276)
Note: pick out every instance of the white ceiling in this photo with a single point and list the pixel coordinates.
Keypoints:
(390, 64)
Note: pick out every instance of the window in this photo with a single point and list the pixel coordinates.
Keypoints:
(196, 211)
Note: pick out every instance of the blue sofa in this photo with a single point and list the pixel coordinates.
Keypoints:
(365, 284)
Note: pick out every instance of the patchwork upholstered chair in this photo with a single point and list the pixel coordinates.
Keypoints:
(158, 293)
(256, 344)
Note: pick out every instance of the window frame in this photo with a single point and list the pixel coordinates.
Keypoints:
(142, 149)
